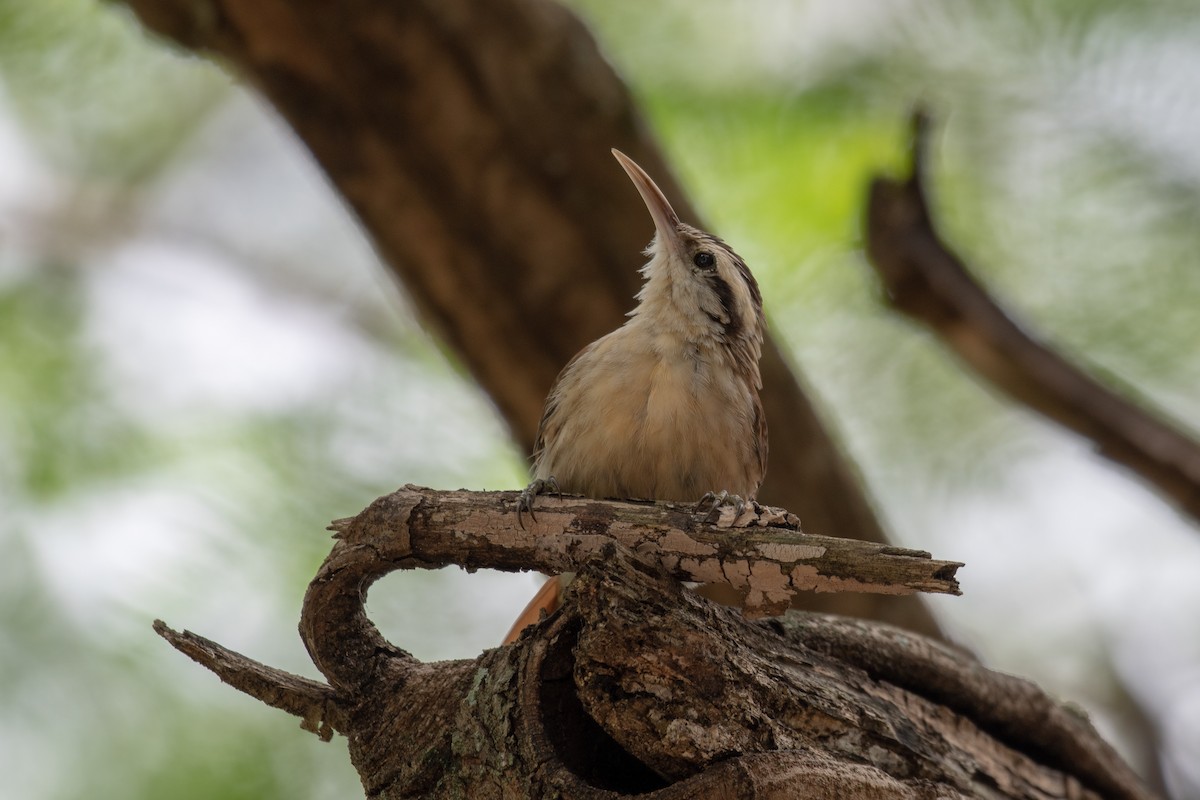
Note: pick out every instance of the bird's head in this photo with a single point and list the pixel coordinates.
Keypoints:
(695, 283)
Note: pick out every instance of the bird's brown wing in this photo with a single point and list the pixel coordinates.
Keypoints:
(760, 440)
(546, 427)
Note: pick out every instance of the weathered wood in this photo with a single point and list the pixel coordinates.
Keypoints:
(637, 685)
(762, 552)
(802, 686)
(314, 702)
(472, 140)
(766, 559)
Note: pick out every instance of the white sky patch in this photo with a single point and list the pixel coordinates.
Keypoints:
(1133, 91)
(182, 332)
(28, 184)
(449, 613)
(283, 220)
(124, 555)
(25, 176)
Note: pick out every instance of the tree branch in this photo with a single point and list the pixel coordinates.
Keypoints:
(927, 281)
(1009, 708)
(1036, 739)
(314, 702)
(762, 554)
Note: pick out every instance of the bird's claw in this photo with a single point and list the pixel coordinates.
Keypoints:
(719, 499)
(526, 498)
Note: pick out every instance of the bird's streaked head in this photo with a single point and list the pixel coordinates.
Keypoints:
(695, 277)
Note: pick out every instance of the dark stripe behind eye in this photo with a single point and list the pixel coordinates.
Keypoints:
(725, 295)
(739, 264)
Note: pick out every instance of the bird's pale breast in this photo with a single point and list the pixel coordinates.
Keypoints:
(633, 422)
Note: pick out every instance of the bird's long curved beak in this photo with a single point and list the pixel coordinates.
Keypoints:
(666, 221)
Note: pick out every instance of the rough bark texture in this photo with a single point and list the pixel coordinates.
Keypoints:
(927, 281)
(760, 553)
(639, 686)
(472, 139)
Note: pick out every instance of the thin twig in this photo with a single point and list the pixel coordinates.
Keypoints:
(925, 280)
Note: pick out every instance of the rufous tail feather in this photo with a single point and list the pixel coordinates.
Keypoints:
(548, 599)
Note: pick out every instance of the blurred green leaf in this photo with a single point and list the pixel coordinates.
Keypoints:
(98, 96)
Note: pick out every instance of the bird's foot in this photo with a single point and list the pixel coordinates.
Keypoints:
(715, 501)
(526, 498)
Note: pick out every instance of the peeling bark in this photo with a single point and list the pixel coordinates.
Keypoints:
(762, 554)
(638, 686)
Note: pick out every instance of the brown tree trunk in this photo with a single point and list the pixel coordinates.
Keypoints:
(472, 139)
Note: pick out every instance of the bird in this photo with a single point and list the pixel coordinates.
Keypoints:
(666, 407)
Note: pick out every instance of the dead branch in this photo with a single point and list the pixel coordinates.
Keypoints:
(761, 554)
(639, 686)
(312, 701)
(927, 281)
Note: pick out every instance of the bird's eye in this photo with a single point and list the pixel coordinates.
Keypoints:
(704, 260)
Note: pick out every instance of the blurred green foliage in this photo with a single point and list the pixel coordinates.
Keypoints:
(105, 102)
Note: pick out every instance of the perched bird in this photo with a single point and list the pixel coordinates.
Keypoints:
(665, 407)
